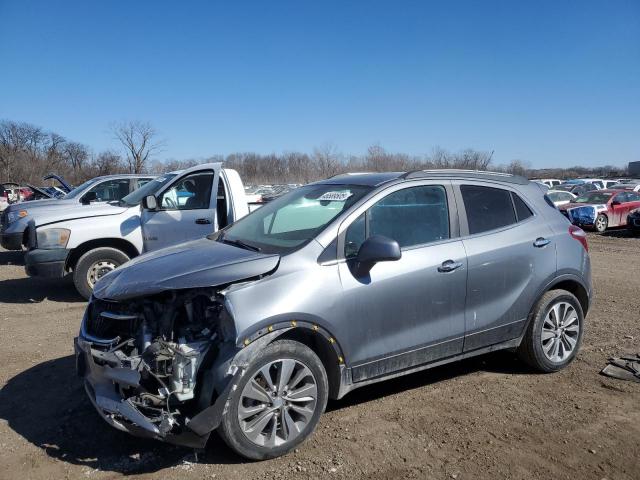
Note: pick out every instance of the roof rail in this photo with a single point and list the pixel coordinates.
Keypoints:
(477, 174)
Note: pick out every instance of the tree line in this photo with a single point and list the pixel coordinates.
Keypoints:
(28, 152)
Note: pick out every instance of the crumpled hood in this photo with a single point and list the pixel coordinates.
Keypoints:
(196, 264)
(71, 211)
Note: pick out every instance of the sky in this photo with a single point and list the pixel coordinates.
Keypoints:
(551, 83)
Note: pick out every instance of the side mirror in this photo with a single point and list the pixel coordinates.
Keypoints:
(615, 202)
(150, 203)
(376, 248)
(89, 197)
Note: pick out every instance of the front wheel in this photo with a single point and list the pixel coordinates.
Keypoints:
(601, 223)
(277, 403)
(95, 264)
(554, 333)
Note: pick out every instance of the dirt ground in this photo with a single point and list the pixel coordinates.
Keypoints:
(488, 417)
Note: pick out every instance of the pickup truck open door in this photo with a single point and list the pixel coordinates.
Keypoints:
(185, 209)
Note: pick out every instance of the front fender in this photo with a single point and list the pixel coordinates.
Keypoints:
(223, 377)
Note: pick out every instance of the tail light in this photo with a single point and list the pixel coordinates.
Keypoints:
(578, 234)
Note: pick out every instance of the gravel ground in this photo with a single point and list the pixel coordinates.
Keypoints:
(488, 417)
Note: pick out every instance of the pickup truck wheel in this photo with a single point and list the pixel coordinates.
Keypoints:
(277, 403)
(554, 334)
(93, 265)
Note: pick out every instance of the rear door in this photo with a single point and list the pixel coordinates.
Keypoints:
(186, 210)
(410, 311)
(510, 254)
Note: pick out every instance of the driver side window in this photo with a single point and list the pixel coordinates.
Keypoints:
(412, 216)
(192, 192)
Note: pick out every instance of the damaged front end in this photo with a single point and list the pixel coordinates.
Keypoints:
(159, 366)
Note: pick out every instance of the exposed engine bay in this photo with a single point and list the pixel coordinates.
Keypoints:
(144, 359)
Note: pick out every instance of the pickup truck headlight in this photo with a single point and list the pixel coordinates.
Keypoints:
(15, 215)
(53, 238)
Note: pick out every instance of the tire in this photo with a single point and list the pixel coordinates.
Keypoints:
(601, 224)
(232, 428)
(111, 259)
(538, 344)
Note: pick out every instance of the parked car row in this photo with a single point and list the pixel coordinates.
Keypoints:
(13, 193)
(595, 203)
(598, 182)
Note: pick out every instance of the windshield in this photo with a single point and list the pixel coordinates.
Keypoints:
(78, 190)
(149, 188)
(558, 196)
(593, 197)
(292, 220)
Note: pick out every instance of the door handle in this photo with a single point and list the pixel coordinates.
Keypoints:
(541, 242)
(449, 266)
(203, 221)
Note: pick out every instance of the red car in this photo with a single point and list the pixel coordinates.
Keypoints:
(601, 209)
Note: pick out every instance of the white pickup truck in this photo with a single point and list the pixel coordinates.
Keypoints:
(170, 209)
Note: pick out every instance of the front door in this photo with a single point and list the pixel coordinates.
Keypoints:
(510, 253)
(626, 201)
(186, 211)
(407, 312)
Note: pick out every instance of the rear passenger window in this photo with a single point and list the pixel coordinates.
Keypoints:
(412, 216)
(487, 208)
(522, 211)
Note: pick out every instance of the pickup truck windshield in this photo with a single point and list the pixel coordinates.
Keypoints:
(78, 190)
(292, 220)
(149, 188)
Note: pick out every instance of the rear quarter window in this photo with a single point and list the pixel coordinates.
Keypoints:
(522, 210)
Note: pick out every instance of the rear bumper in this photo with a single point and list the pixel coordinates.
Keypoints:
(46, 263)
(11, 241)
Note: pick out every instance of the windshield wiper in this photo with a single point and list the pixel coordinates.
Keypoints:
(241, 244)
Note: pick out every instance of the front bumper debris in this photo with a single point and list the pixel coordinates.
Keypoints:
(103, 381)
(46, 263)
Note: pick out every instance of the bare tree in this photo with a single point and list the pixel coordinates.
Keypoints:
(77, 156)
(107, 163)
(326, 160)
(140, 141)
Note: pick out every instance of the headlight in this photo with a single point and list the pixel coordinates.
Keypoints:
(53, 238)
(15, 215)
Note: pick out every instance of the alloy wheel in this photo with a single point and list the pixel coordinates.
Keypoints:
(278, 403)
(560, 332)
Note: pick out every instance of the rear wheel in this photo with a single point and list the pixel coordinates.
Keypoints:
(278, 402)
(95, 264)
(601, 223)
(554, 333)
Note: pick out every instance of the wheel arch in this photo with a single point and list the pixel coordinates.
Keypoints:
(118, 243)
(312, 335)
(575, 287)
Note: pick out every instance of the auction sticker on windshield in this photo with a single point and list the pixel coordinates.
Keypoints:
(335, 196)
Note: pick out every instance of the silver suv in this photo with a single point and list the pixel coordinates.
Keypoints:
(335, 285)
